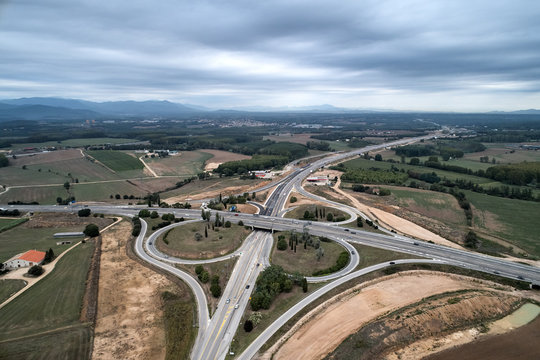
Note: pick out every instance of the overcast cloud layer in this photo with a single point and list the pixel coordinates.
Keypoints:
(422, 55)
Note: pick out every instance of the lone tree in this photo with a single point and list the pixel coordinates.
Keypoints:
(248, 326)
(304, 285)
(91, 230)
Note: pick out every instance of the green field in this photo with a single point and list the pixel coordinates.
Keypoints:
(515, 221)
(41, 194)
(367, 164)
(116, 160)
(53, 303)
(188, 163)
(6, 224)
(221, 241)
(305, 261)
(439, 206)
(298, 212)
(9, 287)
(103, 191)
(15, 176)
(82, 169)
(76, 143)
(504, 155)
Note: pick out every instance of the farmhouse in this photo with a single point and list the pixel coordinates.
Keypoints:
(29, 258)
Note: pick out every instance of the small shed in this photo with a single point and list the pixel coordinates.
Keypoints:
(68, 234)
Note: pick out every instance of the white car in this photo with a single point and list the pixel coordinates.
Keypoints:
(228, 301)
(236, 306)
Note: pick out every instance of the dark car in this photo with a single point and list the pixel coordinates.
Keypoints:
(392, 263)
(247, 286)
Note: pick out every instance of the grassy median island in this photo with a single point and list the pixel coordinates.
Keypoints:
(306, 260)
(50, 310)
(202, 240)
(317, 213)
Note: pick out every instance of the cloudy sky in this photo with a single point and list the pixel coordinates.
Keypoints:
(413, 55)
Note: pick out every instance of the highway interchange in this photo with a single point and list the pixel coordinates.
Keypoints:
(216, 332)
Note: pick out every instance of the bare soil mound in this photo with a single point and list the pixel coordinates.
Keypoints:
(129, 321)
(324, 328)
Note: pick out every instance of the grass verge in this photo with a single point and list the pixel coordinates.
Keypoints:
(179, 330)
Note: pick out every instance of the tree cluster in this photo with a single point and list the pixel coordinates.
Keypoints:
(271, 282)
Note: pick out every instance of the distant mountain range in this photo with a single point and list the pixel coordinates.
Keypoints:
(49, 108)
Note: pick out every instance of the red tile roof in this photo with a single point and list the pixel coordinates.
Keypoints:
(33, 256)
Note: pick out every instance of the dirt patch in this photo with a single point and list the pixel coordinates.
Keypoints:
(324, 328)
(231, 190)
(221, 157)
(247, 208)
(301, 200)
(153, 185)
(129, 322)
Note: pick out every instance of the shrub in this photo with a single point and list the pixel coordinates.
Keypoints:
(248, 326)
(227, 224)
(91, 230)
(293, 199)
(36, 270)
(84, 212)
(215, 289)
(282, 244)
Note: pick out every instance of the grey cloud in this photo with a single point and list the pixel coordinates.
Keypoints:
(255, 52)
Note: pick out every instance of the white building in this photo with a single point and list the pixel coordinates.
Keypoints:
(29, 258)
